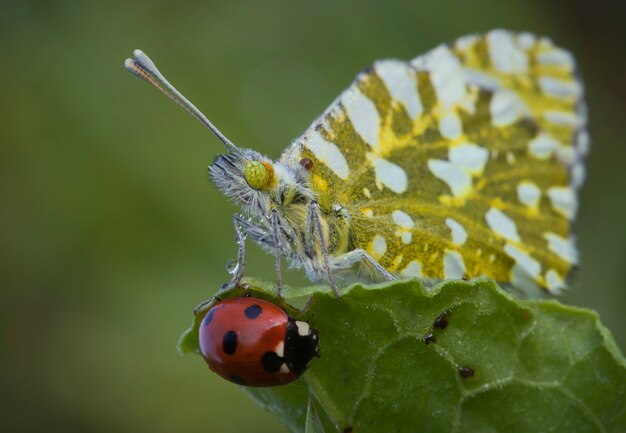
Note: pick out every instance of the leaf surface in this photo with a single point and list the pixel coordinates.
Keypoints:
(457, 357)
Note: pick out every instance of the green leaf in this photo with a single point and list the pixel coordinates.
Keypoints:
(500, 364)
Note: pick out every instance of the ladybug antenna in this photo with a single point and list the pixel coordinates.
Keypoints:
(144, 68)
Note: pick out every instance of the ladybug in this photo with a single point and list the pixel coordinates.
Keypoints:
(253, 342)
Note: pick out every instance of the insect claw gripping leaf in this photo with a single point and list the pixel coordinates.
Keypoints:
(460, 163)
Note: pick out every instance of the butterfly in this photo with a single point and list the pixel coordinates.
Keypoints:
(463, 162)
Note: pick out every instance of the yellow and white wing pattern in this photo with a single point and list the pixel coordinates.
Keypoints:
(460, 163)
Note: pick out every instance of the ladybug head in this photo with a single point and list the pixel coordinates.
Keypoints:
(301, 345)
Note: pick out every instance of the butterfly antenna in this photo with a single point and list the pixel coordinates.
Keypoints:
(144, 68)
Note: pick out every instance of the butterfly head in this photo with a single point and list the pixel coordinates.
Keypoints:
(246, 177)
(259, 185)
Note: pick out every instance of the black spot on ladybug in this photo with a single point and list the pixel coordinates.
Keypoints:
(306, 163)
(236, 379)
(441, 322)
(229, 342)
(430, 338)
(208, 317)
(271, 362)
(253, 311)
(466, 372)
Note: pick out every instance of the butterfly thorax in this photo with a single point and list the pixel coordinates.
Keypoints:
(285, 190)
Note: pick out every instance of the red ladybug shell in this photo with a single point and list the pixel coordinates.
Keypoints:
(253, 342)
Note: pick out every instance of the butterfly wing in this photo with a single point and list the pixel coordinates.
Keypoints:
(463, 162)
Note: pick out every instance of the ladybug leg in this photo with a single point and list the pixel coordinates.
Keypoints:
(316, 229)
(274, 220)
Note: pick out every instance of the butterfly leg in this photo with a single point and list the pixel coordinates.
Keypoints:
(274, 220)
(358, 256)
(240, 267)
(314, 223)
(203, 304)
(241, 253)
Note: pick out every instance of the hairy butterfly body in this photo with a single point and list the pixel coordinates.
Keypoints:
(460, 163)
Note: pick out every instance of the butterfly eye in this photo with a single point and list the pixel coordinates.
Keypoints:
(258, 174)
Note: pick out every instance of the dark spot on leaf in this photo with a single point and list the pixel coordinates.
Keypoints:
(236, 379)
(271, 362)
(430, 338)
(466, 372)
(229, 342)
(347, 429)
(253, 311)
(441, 322)
(247, 295)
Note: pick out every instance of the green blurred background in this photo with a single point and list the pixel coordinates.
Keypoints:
(110, 230)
